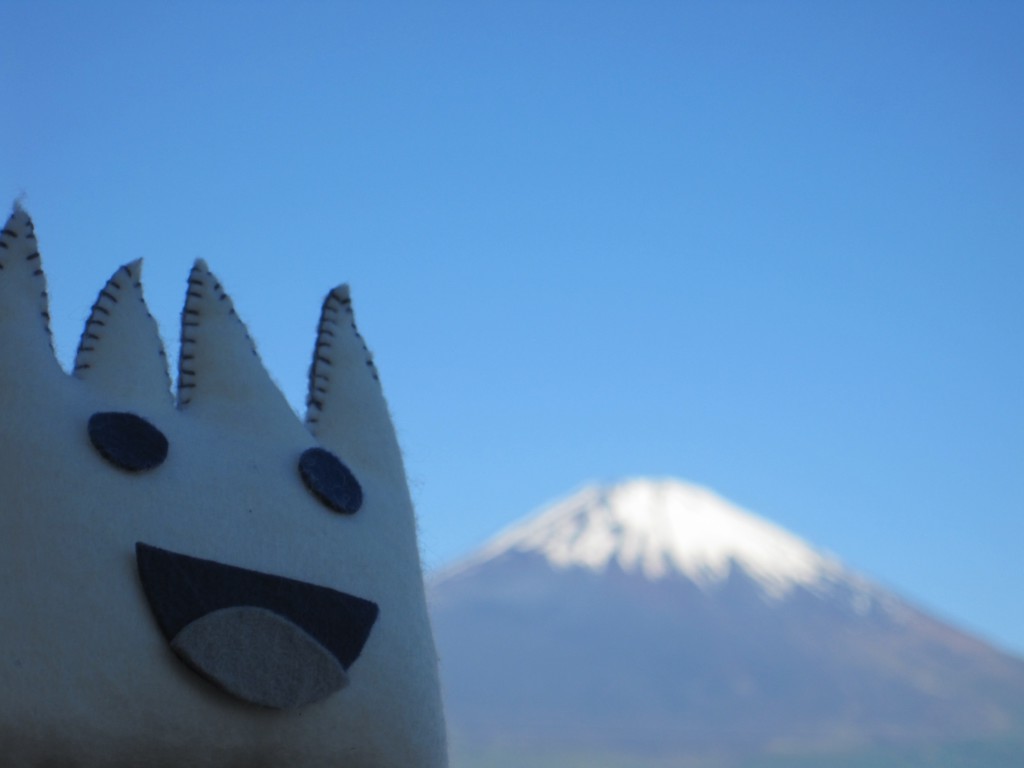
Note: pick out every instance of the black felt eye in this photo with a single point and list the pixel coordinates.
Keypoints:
(330, 481)
(127, 441)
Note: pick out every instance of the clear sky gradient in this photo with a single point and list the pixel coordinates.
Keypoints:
(772, 248)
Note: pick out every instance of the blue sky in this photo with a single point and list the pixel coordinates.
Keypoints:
(772, 248)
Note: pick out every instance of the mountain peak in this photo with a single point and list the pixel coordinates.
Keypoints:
(662, 527)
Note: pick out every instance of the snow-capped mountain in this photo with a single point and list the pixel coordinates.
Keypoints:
(655, 617)
(660, 527)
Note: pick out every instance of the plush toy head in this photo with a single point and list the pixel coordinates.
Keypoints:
(208, 582)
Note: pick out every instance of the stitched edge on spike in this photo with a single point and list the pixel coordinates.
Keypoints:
(189, 322)
(101, 310)
(199, 279)
(336, 307)
(9, 233)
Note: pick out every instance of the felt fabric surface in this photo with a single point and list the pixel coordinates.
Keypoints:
(260, 657)
(120, 350)
(88, 676)
(330, 481)
(182, 590)
(127, 441)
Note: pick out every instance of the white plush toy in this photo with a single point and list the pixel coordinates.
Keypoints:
(208, 582)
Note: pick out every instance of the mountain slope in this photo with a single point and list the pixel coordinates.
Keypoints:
(655, 618)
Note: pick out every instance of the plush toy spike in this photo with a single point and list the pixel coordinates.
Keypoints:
(120, 352)
(219, 370)
(345, 403)
(24, 306)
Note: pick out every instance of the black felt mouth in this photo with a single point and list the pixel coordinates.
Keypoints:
(183, 589)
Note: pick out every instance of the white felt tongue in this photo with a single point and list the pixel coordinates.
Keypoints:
(260, 657)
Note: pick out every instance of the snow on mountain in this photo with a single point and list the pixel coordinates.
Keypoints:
(662, 527)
